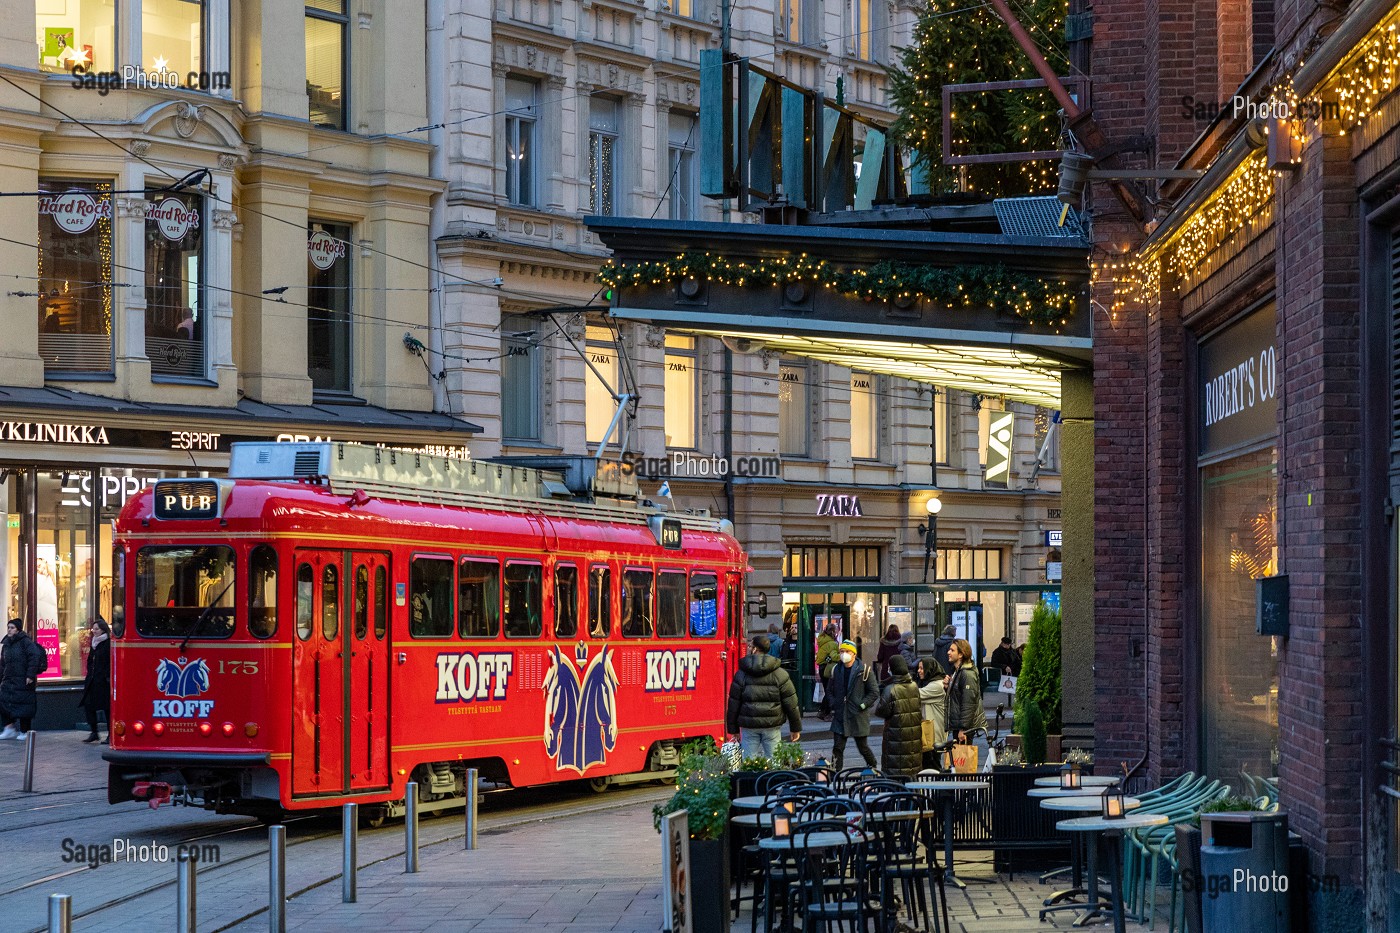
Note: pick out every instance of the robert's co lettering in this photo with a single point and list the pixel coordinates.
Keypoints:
(465, 677)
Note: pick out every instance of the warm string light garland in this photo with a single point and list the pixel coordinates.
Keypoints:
(1049, 302)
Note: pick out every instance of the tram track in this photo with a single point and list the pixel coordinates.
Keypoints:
(433, 832)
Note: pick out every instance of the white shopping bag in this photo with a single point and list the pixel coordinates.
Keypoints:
(1008, 684)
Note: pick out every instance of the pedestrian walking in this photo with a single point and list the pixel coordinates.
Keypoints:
(787, 652)
(889, 648)
(940, 649)
(761, 697)
(853, 696)
(775, 640)
(901, 749)
(1006, 659)
(826, 663)
(97, 686)
(967, 718)
(21, 663)
(907, 652)
(933, 698)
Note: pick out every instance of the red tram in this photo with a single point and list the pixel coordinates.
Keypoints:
(333, 621)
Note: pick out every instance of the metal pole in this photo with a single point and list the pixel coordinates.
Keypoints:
(60, 913)
(29, 739)
(410, 827)
(350, 833)
(186, 910)
(277, 879)
(471, 808)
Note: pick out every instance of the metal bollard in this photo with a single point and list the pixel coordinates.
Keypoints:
(277, 879)
(410, 827)
(471, 808)
(186, 910)
(30, 738)
(60, 913)
(350, 831)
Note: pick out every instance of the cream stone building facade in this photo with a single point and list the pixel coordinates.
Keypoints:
(552, 111)
(214, 228)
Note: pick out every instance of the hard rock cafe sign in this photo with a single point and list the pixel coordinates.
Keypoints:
(75, 211)
(324, 250)
(173, 218)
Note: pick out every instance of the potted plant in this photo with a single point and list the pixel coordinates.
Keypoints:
(1040, 681)
(702, 790)
(787, 756)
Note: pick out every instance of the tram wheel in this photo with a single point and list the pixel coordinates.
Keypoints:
(271, 817)
(374, 817)
(598, 785)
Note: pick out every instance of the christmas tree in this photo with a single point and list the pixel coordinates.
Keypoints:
(958, 44)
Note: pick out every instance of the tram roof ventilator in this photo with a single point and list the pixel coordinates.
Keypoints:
(581, 487)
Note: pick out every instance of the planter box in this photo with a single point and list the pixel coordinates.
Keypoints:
(709, 884)
(1023, 832)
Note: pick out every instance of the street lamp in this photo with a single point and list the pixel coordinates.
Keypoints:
(930, 531)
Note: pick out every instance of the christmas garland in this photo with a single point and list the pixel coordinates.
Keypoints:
(1030, 297)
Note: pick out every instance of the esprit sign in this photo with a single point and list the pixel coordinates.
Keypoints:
(324, 250)
(75, 211)
(1239, 384)
(173, 218)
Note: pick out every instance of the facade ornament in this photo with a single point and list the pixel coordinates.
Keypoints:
(556, 82)
(577, 327)
(187, 117)
(689, 92)
(500, 68)
(228, 161)
(224, 220)
(140, 148)
(531, 53)
(612, 75)
(365, 20)
(766, 357)
(655, 337)
(134, 208)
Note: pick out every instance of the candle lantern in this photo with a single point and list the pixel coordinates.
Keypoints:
(1114, 803)
(782, 822)
(1070, 776)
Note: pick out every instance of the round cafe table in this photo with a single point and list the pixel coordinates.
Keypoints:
(1082, 803)
(1095, 792)
(947, 789)
(1085, 780)
(1096, 828)
(751, 802)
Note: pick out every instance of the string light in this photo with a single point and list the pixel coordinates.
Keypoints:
(1033, 298)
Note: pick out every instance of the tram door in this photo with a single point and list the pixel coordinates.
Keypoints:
(367, 699)
(340, 673)
(735, 645)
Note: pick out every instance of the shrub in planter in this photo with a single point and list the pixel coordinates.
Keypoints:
(1030, 722)
(1040, 668)
(702, 789)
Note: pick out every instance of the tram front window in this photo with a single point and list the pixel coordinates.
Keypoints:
(185, 591)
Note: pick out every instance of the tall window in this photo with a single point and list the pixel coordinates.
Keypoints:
(76, 34)
(794, 408)
(683, 7)
(328, 307)
(682, 391)
(522, 118)
(175, 316)
(944, 421)
(75, 272)
(865, 417)
(599, 406)
(327, 36)
(681, 160)
(790, 27)
(602, 146)
(172, 36)
(860, 35)
(520, 379)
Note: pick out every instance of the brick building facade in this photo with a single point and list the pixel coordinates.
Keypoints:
(1245, 417)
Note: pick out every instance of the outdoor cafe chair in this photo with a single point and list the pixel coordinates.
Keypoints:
(832, 891)
(834, 807)
(769, 781)
(844, 781)
(779, 876)
(898, 863)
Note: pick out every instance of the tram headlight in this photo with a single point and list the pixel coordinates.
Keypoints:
(205, 728)
(250, 729)
(158, 727)
(228, 728)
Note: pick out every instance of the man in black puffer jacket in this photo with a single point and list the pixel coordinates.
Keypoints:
(761, 696)
(902, 751)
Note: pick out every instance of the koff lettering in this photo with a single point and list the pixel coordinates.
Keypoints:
(181, 709)
(672, 670)
(463, 678)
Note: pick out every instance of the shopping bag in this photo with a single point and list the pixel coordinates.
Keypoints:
(1008, 684)
(818, 691)
(964, 758)
(927, 727)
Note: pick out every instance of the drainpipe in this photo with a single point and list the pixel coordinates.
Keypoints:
(728, 391)
(436, 11)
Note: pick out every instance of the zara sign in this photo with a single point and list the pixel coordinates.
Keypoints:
(839, 505)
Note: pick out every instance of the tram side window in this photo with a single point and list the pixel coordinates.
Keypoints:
(704, 605)
(262, 592)
(430, 614)
(565, 601)
(306, 581)
(636, 604)
(524, 599)
(599, 601)
(185, 591)
(381, 601)
(479, 597)
(330, 601)
(361, 602)
(670, 604)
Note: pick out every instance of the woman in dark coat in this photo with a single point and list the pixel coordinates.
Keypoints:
(97, 688)
(902, 750)
(21, 662)
(889, 648)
